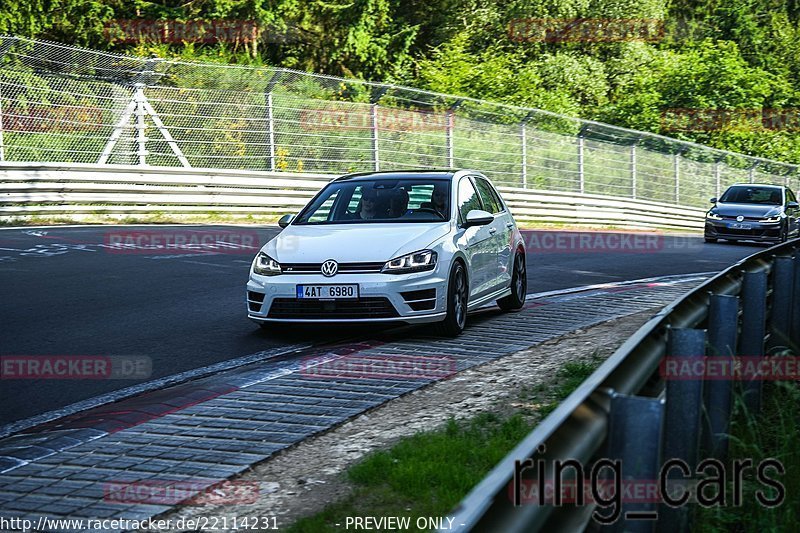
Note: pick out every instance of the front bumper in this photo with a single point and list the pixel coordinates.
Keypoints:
(382, 298)
(718, 229)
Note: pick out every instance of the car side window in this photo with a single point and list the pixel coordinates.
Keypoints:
(467, 198)
(790, 195)
(488, 196)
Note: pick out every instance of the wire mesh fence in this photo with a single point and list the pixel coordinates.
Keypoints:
(65, 104)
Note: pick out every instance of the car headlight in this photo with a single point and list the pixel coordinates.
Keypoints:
(416, 262)
(770, 220)
(713, 216)
(265, 265)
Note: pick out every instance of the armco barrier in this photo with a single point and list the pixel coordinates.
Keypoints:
(28, 189)
(627, 412)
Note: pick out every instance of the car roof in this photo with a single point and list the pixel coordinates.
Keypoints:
(398, 174)
(757, 185)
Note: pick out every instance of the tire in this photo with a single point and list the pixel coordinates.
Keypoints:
(784, 233)
(519, 286)
(709, 239)
(457, 298)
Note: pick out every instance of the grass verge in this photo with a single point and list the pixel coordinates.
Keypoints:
(427, 474)
(773, 434)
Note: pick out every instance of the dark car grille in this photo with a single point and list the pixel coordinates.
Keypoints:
(758, 232)
(378, 307)
(344, 268)
(745, 219)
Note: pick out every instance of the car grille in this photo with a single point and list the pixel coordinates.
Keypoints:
(377, 307)
(746, 219)
(759, 232)
(344, 268)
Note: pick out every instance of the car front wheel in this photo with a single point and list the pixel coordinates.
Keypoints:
(519, 286)
(457, 297)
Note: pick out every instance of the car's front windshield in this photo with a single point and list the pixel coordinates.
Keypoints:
(752, 195)
(380, 200)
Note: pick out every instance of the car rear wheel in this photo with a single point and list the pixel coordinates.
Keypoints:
(519, 286)
(457, 297)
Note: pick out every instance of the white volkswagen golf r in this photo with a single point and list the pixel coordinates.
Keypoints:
(410, 246)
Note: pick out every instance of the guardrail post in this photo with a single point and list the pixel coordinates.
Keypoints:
(751, 341)
(634, 439)
(581, 166)
(683, 414)
(723, 320)
(794, 329)
(781, 313)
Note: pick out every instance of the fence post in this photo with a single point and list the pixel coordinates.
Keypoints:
(376, 165)
(723, 318)
(524, 139)
(141, 127)
(581, 175)
(451, 118)
(677, 169)
(2, 141)
(633, 170)
(683, 415)
(271, 118)
(717, 176)
(751, 172)
(751, 341)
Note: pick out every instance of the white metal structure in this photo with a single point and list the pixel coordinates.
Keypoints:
(447, 245)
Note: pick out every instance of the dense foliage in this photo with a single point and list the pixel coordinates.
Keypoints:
(710, 55)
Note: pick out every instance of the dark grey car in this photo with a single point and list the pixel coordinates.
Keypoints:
(753, 212)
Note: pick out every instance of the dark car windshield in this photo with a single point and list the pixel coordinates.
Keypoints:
(380, 200)
(752, 195)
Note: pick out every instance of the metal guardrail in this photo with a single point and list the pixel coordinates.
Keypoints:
(61, 103)
(28, 189)
(624, 411)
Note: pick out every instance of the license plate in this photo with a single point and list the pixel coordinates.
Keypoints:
(327, 292)
(739, 225)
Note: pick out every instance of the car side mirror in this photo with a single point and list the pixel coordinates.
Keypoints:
(478, 217)
(285, 220)
(792, 205)
(714, 200)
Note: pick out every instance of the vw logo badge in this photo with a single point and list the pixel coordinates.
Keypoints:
(329, 268)
(739, 218)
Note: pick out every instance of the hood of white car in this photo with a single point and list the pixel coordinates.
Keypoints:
(352, 243)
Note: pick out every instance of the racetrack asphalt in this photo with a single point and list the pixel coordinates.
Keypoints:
(66, 292)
